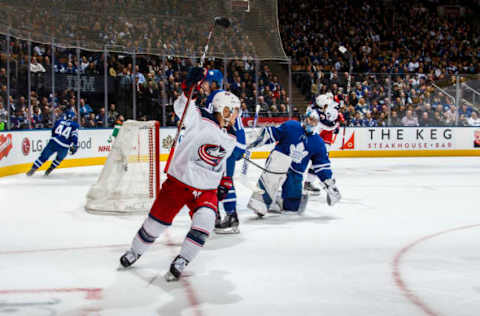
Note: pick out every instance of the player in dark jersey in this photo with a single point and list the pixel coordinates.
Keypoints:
(64, 138)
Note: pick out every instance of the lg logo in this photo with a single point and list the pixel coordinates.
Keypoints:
(26, 146)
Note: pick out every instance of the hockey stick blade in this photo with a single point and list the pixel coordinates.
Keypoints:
(222, 21)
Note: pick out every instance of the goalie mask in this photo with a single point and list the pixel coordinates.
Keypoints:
(311, 121)
(224, 102)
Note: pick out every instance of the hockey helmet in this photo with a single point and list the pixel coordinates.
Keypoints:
(69, 115)
(321, 100)
(225, 99)
(215, 75)
(311, 121)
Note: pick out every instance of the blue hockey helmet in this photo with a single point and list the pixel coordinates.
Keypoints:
(215, 75)
(69, 115)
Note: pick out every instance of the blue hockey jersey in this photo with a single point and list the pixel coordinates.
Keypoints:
(65, 132)
(292, 141)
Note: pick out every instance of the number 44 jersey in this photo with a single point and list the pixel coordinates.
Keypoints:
(65, 132)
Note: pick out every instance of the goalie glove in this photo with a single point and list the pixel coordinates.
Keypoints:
(261, 140)
(73, 149)
(333, 195)
(225, 185)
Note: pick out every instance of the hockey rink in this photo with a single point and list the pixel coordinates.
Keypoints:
(404, 240)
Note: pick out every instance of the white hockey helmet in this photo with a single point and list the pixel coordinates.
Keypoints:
(225, 99)
(321, 100)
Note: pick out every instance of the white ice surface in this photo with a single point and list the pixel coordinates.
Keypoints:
(403, 241)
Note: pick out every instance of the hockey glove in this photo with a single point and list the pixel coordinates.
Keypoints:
(261, 140)
(195, 75)
(73, 149)
(333, 195)
(225, 185)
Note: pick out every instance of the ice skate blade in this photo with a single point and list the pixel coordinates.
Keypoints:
(226, 231)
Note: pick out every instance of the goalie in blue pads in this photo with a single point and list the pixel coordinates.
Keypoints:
(64, 138)
(296, 145)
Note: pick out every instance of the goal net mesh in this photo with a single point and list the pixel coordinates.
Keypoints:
(159, 27)
(130, 178)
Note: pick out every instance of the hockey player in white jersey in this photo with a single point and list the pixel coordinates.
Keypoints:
(296, 145)
(195, 173)
(329, 122)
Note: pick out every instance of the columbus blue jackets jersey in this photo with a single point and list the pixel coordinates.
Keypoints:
(301, 147)
(65, 132)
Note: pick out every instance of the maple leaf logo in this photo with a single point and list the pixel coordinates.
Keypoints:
(298, 152)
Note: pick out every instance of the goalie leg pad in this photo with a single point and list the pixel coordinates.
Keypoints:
(257, 203)
(270, 183)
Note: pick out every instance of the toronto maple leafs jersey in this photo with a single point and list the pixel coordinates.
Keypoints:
(200, 158)
(65, 133)
(293, 141)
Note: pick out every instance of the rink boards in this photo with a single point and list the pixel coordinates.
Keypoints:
(18, 149)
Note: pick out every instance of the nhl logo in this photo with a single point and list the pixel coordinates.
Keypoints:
(26, 146)
(167, 142)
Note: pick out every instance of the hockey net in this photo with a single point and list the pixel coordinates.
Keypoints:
(130, 179)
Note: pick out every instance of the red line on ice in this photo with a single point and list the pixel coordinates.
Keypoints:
(397, 276)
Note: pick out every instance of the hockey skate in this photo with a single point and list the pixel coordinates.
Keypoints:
(48, 171)
(176, 269)
(218, 220)
(311, 188)
(229, 225)
(30, 172)
(128, 258)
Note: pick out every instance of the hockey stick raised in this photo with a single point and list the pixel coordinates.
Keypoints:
(224, 22)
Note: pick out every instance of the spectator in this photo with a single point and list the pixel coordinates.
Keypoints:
(100, 117)
(473, 120)
(85, 109)
(112, 114)
(369, 120)
(90, 121)
(409, 119)
(425, 120)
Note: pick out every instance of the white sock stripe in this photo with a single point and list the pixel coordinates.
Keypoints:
(229, 200)
(37, 163)
(320, 169)
(321, 165)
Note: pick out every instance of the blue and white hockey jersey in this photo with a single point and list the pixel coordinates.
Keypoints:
(292, 141)
(65, 133)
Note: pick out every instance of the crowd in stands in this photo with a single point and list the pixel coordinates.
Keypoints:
(400, 52)
(406, 46)
(156, 82)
